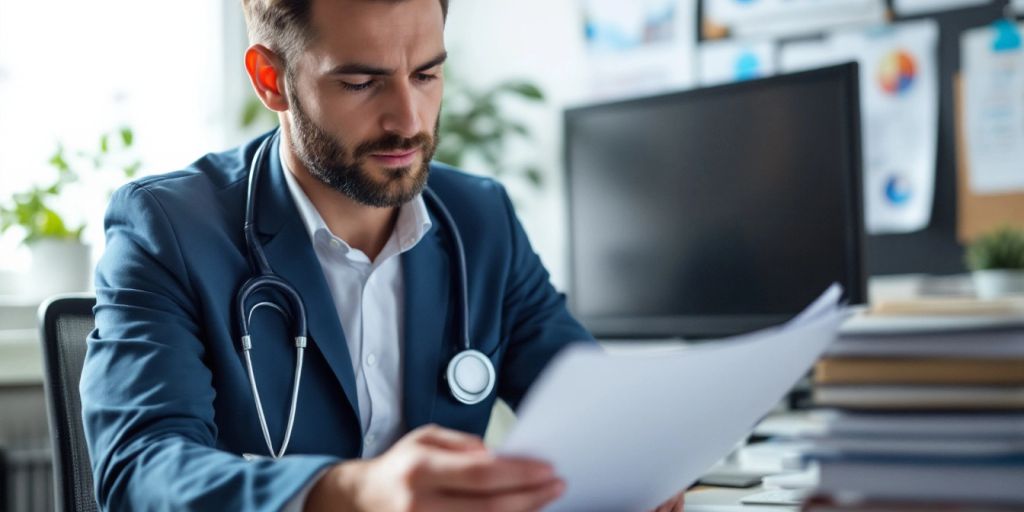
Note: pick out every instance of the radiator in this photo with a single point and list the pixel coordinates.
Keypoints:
(26, 476)
(29, 475)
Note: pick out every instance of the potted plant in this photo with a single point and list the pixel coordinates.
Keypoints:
(996, 261)
(60, 258)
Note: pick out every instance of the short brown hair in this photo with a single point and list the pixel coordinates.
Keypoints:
(283, 25)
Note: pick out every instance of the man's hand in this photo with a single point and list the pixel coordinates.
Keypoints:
(433, 468)
(674, 504)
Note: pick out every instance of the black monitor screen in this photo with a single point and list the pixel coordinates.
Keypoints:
(715, 211)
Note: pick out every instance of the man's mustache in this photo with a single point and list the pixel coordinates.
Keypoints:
(392, 143)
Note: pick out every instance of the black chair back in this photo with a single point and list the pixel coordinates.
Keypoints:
(65, 322)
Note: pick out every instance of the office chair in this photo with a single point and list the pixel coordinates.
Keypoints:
(65, 321)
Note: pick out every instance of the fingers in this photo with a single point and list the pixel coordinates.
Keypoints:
(461, 474)
(529, 499)
(673, 504)
(482, 472)
(439, 437)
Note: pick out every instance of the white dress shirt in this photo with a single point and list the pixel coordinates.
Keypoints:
(369, 299)
(368, 296)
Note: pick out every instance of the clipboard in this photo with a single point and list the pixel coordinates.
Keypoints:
(978, 214)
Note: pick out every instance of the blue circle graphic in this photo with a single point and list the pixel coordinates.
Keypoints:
(898, 190)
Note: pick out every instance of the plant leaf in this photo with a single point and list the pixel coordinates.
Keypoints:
(50, 225)
(127, 136)
(58, 161)
(534, 176)
(251, 111)
(1000, 249)
(518, 128)
(525, 90)
(131, 170)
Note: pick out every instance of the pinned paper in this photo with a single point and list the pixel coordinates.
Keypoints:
(779, 18)
(899, 115)
(735, 61)
(992, 62)
(638, 47)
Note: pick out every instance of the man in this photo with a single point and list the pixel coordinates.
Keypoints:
(340, 215)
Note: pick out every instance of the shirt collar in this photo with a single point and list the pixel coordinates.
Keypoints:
(412, 224)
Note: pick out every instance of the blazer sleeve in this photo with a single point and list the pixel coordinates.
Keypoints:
(538, 321)
(147, 396)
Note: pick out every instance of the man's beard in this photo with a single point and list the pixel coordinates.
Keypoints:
(328, 160)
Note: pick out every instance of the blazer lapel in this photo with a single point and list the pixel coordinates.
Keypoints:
(291, 256)
(426, 271)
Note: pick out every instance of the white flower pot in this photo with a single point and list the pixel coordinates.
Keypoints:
(991, 284)
(58, 266)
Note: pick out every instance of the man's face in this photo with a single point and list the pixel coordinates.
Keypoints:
(365, 95)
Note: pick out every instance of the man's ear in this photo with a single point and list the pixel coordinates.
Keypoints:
(266, 73)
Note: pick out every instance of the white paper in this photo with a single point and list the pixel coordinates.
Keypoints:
(638, 47)
(914, 7)
(733, 61)
(899, 115)
(776, 18)
(628, 432)
(993, 108)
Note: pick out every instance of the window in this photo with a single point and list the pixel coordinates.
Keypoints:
(70, 70)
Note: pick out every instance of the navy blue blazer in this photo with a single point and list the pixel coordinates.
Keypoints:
(166, 402)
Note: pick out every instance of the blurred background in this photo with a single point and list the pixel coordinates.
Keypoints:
(93, 94)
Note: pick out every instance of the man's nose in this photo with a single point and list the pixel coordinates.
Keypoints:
(401, 116)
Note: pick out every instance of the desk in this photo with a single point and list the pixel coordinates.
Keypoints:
(721, 499)
(766, 457)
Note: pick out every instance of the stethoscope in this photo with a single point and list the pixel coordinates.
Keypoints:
(470, 374)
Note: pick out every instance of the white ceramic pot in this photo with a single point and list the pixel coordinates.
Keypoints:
(58, 266)
(991, 284)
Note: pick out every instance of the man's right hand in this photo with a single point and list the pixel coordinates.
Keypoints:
(433, 468)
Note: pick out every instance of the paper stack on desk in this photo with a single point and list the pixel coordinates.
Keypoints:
(930, 415)
(627, 432)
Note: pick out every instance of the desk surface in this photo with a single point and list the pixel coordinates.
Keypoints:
(721, 499)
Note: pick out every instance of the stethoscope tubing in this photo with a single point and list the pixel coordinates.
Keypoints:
(263, 277)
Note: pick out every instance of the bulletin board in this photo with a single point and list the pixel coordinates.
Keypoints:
(979, 213)
(936, 249)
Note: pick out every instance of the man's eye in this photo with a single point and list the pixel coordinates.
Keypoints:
(357, 86)
(425, 77)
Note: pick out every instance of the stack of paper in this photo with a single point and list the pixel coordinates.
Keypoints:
(929, 415)
(627, 432)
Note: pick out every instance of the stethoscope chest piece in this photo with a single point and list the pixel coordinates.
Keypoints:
(470, 376)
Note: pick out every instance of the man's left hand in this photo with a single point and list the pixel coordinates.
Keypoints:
(674, 504)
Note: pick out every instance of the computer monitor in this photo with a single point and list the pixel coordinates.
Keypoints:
(715, 211)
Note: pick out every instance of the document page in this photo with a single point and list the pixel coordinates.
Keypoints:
(628, 431)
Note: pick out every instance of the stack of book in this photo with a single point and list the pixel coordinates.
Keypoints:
(929, 415)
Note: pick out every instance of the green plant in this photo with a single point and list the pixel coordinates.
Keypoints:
(1000, 249)
(474, 123)
(33, 210)
(254, 113)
